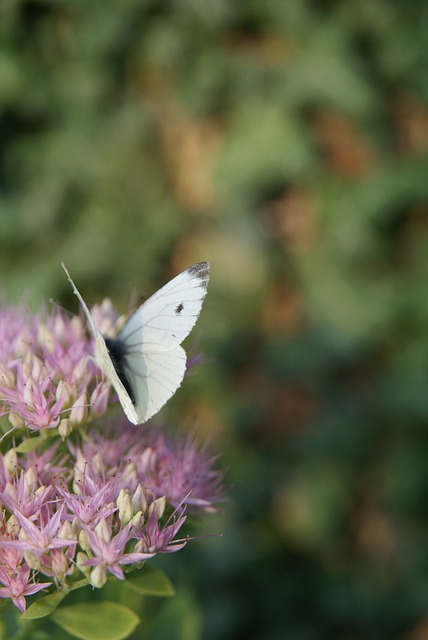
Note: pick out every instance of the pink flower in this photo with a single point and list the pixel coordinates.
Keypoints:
(17, 585)
(10, 558)
(33, 399)
(25, 494)
(90, 506)
(154, 538)
(184, 474)
(109, 551)
(42, 538)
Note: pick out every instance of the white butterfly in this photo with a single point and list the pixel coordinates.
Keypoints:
(145, 362)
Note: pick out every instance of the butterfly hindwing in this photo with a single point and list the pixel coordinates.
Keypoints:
(154, 379)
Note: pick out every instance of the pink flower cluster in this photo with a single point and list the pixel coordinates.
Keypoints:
(47, 375)
(96, 493)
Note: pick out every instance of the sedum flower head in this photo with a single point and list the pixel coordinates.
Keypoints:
(82, 493)
(46, 369)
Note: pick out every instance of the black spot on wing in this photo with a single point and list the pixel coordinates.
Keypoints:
(179, 308)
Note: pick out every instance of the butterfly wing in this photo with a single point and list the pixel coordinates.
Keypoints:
(165, 319)
(154, 362)
(103, 359)
(154, 378)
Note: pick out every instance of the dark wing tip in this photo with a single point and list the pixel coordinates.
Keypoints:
(200, 270)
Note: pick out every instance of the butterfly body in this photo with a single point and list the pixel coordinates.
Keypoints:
(145, 362)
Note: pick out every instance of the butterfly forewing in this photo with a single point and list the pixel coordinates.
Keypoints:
(165, 319)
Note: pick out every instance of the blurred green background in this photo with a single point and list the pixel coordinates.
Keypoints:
(286, 143)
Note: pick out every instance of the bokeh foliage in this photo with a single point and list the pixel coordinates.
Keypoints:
(286, 143)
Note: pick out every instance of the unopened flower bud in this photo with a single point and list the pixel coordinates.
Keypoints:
(140, 547)
(137, 519)
(29, 392)
(10, 460)
(84, 540)
(81, 562)
(66, 531)
(15, 419)
(139, 501)
(120, 497)
(79, 410)
(63, 392)
(37, 368)
(30, 479)
(125, 508)
(98, 577)
(6, 376)
(40, 491)
(77, 489)
(59, 565)
(159, 504)
(103, 530)
(12, 525)
(129, 474)
(32, 559)
(45, 337)
(65, 428)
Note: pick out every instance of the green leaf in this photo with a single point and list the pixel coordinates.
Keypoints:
(44, 606)
(92, 621)
(151, 582)
(3, 630)
(30, 444)
(79, 584)
(179, 619)
(43, 440)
